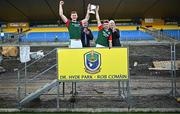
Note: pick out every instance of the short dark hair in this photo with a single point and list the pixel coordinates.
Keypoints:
(106, 21)
(73, 12)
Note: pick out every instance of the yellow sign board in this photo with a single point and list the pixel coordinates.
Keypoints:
(92, 64)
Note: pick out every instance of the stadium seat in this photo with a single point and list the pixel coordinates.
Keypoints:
(173, 33)
(125, 35)
(64, 36)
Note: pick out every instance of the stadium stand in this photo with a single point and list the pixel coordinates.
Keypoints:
(64, 36)
(173, 33)
(127, 33)
(135, 35)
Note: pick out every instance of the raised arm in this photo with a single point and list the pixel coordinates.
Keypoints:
(86, 19)
(63, 17)
(97, 16)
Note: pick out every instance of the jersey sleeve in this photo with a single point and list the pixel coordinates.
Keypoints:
(100, 27)
(110, 37)
(68, 23)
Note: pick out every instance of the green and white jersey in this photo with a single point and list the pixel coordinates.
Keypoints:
(74, 29)
(103, 36)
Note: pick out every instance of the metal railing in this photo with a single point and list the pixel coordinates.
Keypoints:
(15, 37)
(159, 35)
(154, 79)
(24, 79)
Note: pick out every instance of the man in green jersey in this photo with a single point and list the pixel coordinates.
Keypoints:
(104, 35)
(74, 26)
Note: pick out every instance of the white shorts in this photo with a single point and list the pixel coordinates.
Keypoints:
(75, 43)
(98, 45)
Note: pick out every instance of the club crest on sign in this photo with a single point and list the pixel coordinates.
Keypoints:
(92, 62)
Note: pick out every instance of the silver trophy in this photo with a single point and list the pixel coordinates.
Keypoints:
(93, 9)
